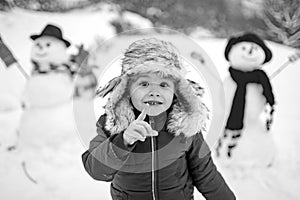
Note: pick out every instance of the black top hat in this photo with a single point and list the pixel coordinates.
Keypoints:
(52, 31)
(248, 37)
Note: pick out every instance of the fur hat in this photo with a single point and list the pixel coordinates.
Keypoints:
(52, 31)
(188, 115)
(248, 37)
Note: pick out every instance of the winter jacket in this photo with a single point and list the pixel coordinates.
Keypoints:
(165, 167)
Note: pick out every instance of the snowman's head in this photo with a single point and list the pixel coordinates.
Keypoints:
(247, 52)
(49, 46)
(47, 49)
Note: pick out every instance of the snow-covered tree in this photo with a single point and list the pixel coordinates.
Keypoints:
(282, 17)
(45, 5)
(5, 5)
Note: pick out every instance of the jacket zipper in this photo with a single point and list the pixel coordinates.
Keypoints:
(151, 121)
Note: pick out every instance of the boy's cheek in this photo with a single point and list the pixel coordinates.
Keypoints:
(137, 103)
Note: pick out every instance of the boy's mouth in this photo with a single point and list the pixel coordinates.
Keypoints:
(152, 103)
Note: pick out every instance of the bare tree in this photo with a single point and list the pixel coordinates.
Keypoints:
(282, 18)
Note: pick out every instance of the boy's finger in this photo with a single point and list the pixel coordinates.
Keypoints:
(149, 131)
(142, 116)
(154, 133)
(146, 126)
(138, 135)
(140, 129)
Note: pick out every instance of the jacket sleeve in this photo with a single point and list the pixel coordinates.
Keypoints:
(204, 173)
(106, 154)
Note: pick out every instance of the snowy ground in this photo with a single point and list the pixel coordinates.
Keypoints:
(58, 174)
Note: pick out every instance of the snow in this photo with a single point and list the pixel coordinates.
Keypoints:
(49, 142)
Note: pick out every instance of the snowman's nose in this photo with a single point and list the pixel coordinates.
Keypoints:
(251, 49)
(39, 46)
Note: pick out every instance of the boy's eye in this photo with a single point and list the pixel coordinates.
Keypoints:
(144, 83)
(48, 44)
(164, 84)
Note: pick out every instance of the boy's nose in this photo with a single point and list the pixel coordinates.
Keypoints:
(154, 94)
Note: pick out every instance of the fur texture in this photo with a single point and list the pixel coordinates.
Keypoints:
(189, 114)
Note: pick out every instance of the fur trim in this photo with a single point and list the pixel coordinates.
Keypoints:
(151, 49)
(102, 92)
(188, 115)
(153, 67)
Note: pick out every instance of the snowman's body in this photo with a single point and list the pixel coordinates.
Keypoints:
(253, 144)
(49, 91)
(255, 147)
(50, 84)
(47, 123)
(255, 101)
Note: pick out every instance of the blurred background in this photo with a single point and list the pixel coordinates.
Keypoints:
(276, 20)
(45, 159)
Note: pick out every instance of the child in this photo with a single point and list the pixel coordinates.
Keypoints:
(149, 142)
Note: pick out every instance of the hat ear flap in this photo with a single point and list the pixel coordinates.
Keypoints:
(102, 92)
(197, 88)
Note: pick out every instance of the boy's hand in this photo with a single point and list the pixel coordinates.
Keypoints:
(138, 129)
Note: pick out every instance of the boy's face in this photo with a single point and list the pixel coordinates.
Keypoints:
(153, 90)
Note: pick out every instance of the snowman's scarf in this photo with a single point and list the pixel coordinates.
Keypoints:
(62, 68)
(236, 116)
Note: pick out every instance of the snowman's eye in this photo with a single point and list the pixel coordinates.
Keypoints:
(48, 44)
(243, 48)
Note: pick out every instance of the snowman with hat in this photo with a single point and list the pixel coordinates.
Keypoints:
(247, 141)
(51, 82)
(49, 90)
(47, 125)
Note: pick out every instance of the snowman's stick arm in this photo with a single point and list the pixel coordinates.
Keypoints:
(284, 65)
(23, 72)
(27, 174)
(292, 59)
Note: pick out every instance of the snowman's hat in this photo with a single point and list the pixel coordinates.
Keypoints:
(248, 37)
(52, 31)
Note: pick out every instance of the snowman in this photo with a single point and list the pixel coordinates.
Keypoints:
(49, 90)
(51, 82)
(247, 141)
(47, 127)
